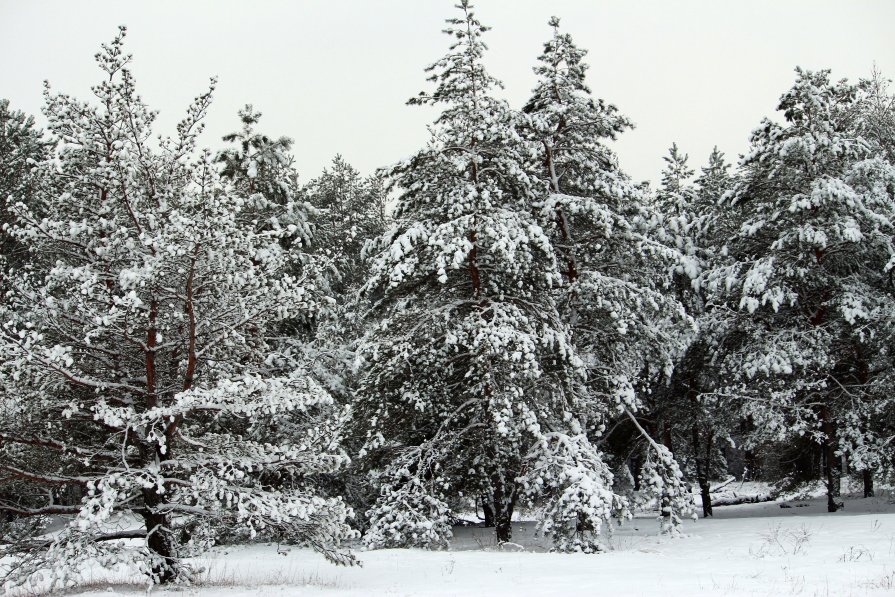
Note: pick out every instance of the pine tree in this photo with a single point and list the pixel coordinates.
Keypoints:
(876, 123)
(616, 264)
(471, 379)
(713, 181)
(802, 300)
(140, 356)
(676, 173)
(351, 212)
(876, 113)
(348, 213)
(21, 148)
(694, 418)
(257, 163)
(569, 128)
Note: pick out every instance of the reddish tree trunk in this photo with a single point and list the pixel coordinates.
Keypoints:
(474, 275)
(159, 539)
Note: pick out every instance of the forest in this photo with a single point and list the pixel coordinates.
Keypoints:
(201, 349)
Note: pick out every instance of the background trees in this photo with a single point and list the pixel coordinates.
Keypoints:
(257, 163)
(21, 149)
(351, 211)
(688, 418)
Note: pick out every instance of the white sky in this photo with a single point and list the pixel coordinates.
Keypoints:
(335, 75)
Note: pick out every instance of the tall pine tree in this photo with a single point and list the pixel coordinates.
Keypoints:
(473, 388)
(615, 263)
(142, 362)
(805, 289)
(21, 148)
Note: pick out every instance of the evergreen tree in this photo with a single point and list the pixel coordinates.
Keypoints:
(257, 163)
(141, 363)
(351, 211)
(876, 113)
(676, 174)
(802, 301)
(21, 148)
(348, 213)
(616, 265)
(472, 384)
(713, 181)
(876, 123)
(696, 421)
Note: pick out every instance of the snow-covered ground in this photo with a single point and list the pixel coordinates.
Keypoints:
(749, 549)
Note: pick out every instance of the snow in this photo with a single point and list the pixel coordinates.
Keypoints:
(752, 549)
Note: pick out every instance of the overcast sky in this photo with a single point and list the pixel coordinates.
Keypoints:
(335, 75)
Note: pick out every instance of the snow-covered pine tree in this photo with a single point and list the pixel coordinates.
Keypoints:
(695, 420)
(139, 364)
(471, 382)
(614, 264)
(21, 148)
(351, 212)
(348, 211)
(806, 289)
(876, 113)
(676, 175)
(713, 181)
(257, 163)
(340, 212)
(712, 420)
(679, 221)
(876, 123)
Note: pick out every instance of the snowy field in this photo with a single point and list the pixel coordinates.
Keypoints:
(750, 549)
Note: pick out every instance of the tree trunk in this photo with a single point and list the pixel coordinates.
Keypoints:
(829, 467)
(504, 503)
(636, 462)
(503, 525)
(666, 437)
(751, 472)
(707, 489)
(665, 502)
(702, 473)
(863, 378)
(159, 539)
(840, 469)
(488, 512)
(867, 476)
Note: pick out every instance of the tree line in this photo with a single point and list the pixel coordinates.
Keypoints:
(198, 348)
